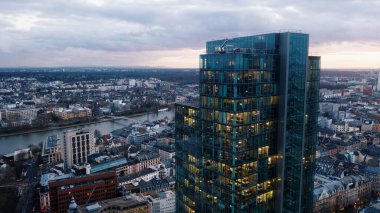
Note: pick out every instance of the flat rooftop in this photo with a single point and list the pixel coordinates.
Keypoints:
(108, 165)
(52, 141)
(119, 202)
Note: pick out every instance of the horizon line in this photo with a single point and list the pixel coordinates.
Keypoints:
(151, 67)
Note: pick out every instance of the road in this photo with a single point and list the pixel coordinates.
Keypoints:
(25, 204)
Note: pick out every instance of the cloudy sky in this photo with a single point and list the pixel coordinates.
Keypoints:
(172, 33)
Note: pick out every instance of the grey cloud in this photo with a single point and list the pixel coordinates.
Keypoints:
(165, 25)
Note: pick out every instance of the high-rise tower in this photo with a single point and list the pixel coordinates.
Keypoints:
(76, 145)
(249, 146)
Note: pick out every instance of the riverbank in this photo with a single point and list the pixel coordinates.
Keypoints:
(55, 128)
(21, 141)
(102, 120)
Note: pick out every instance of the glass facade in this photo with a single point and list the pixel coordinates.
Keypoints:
(312, 100)
(244, 148)
(188, 158)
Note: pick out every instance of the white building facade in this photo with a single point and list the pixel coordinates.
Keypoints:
(164, 202)
(76, 146)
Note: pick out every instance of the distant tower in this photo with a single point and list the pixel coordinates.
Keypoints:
(378, 81)
(73, 207)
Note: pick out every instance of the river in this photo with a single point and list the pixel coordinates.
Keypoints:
(9, 144)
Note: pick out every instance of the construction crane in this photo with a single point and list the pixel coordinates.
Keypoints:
(221, 48)
(90, 195)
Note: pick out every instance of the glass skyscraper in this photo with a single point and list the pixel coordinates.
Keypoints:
(249, 144)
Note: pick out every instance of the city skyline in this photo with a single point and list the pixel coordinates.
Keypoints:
(171, 33)
(222, 152)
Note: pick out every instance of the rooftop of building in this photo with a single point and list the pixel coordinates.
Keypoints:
(165, 147)
(249, 44)
(161, 195)
(69, 182)
(121, 132)
(373, 208)
(122, 203)
(76, 108)
(166, 194)
(109, 165)
(372, 150)
(19, 109)
(136, 175)
(78, 131)
(145, 154)
(337, 166)
(156, 183)
(51, 141)
(193, 104)
(46, 178)
(328, 189)
(372, 170)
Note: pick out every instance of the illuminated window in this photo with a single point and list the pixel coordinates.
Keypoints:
(263, 151)
(263, 198)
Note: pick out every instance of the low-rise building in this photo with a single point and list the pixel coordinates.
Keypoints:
(17, 117)
(373, 208)
(85, 189)
(152, 186)
(324, 122)
(120, 166)
(51, 149)
(374, 173)
(75, 112)
(146, 175)
(162, 202)
(44, 189)
(367, 126)
(337, 195)
(340, 126)
(166, 152)
(138, 137)
(18, 155)
(142, 160)
(126, 204)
